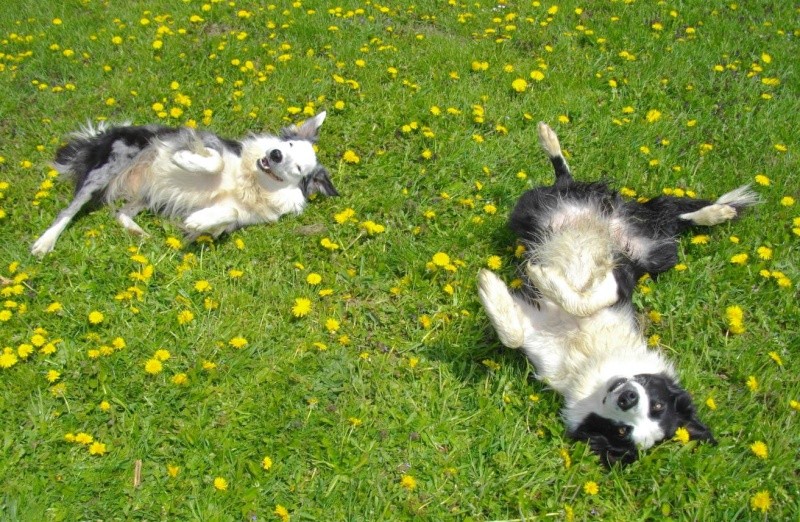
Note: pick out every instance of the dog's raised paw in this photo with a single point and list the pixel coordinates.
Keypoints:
(503, 312)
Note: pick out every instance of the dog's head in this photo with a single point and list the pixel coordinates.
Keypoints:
(292, 159)
(636, 413)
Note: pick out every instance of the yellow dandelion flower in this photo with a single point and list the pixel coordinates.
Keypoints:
(266, 463)
(591, 488)
(202, 286)
(161, 355)
(711, 403)
(759, 449)
(351, 157)
(153, 366)
(97, 448)
(566, 457)
(185, 316)
(408, 482)
(752, 384)
(24, 351)
(372, 228)
(344, 216)
(54, 307)
(424, 320)
(787, 201)
(653, 115)
(96, 317)
(332, 325)
(313, 279)
(179, 379)
(764, 252)
(238, 342)
(700, 240)
(681, 435)
(173, 470)
(220, 484)
(104, 406)
(762, 180)
(740, 259)
(328, 244)
(494, 262)
(84, 438)
(537, 76)
(519, 85)
(440, 259)
(52, 376)
(282, 513)
(8, 359)
(302, 307)
(761, 501)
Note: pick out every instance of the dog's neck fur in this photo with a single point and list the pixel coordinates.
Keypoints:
(624, 354)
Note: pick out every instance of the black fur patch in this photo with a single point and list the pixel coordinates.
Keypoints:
(609, 439)
(655, 222)
(318, 181)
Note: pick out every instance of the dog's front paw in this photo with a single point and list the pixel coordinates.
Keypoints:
(503, 312)
(43, 245)
(210, 220)
(208, 163)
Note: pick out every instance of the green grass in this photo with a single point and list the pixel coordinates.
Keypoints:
(414, 383)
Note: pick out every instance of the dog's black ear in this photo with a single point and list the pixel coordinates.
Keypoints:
(308, 131)
(602, 436)
(687, 412)
(612, 454)
(318, 181)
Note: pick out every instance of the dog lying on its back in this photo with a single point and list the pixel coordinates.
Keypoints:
(214, 185)
(587, 249)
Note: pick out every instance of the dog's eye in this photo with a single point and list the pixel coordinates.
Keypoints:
(658, 406)
(623, 431)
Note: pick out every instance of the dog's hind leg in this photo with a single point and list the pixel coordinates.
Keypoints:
(125, 217)
(724, 209)
(581, 303)
(549, 142)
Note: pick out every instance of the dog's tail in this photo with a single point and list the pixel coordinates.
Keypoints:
(71, 158)
(740, 198)
(549, 142)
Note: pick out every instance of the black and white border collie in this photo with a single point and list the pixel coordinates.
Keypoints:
(587, 247)
(214, 185)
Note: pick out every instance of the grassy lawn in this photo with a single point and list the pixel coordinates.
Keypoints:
(383, 394)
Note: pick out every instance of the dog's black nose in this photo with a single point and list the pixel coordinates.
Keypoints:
(627, 400)
(276, 156)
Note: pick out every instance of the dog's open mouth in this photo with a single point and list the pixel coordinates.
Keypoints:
(263, 164)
